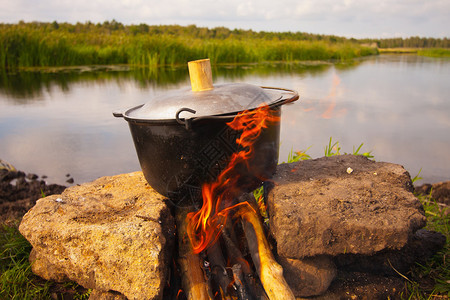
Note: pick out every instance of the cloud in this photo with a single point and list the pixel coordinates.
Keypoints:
(339, 17)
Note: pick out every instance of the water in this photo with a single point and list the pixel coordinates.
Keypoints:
(58, 123)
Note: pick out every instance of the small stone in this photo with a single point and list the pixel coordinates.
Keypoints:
(349, 170)
(31, 176)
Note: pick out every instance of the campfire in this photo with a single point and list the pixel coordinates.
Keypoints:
(213, 250)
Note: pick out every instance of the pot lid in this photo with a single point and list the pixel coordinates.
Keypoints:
(221, 100)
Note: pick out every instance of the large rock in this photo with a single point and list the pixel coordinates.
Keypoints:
(114, 235)
(342, 204)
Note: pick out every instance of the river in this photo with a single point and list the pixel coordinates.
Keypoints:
(59, 122)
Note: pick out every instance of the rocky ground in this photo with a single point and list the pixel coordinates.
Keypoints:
(19, 192)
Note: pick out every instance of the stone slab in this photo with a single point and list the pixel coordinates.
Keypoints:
(342, 204)
(114, 234)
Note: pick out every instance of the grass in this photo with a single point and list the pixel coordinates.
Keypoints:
(430, 52)
(432, 280)
(436, 52)
(39, 45)
(334, 149)
(428, 281)
(397, 50)
(17, 281)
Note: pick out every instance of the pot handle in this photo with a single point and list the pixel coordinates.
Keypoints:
(118, 114)
(293, 95)
(185, 122)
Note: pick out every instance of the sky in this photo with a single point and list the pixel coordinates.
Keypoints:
(349, 18)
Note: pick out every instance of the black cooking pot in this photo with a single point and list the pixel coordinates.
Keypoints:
(182, 139)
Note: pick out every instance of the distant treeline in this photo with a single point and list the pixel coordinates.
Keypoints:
(411, 42)
(38, 44)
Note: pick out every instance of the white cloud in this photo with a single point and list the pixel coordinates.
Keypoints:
(357, 18)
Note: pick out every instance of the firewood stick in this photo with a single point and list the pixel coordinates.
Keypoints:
(217, 263)
(269, 271)
(239, 282)
(234, 253)
(193, 278)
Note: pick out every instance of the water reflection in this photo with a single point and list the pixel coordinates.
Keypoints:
(23, 87)
(59, 121)
(31, 85)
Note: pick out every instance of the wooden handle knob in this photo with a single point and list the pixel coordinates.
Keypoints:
(201, 75)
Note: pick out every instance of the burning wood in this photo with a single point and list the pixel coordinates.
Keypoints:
(269, 271)
(218, 270)
(194, 283)
(210, 228)
(212, 274)
(240, 264)
(219, 197)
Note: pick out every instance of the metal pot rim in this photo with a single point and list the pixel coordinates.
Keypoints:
(185, 120)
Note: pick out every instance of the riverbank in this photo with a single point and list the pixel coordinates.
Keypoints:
(41, 44)
(398, 50)
(51, 44)
(433, 52)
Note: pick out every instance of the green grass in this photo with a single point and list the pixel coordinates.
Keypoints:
(334, 149)
(430, 52)
(39, 45)
(435, 52)
(17, 281)
(432, 280)
(398, 50)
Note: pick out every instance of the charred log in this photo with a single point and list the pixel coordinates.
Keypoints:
(193, 278)
(218, 268)
(267, 268)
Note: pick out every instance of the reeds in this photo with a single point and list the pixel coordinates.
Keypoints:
(39, 45)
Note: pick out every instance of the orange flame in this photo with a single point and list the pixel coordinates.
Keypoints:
(204, 226)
